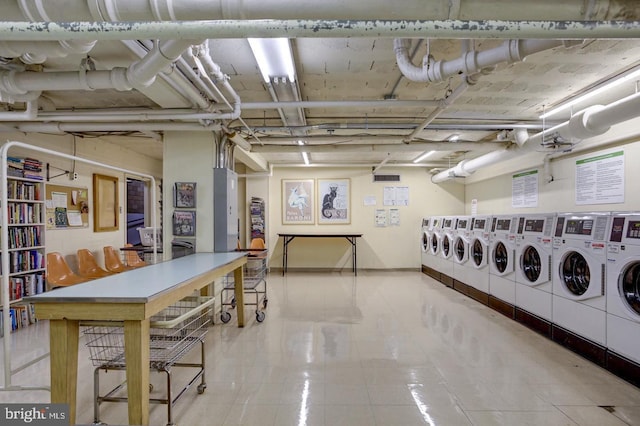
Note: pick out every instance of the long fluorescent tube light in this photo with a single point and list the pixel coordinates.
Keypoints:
(274, 58)
(424, 156)
(305, 156)
(599, 90)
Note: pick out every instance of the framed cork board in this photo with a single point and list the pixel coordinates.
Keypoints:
(66, 207)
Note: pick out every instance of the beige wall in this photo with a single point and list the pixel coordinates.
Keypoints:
(68, 241)
(492, 186)
(395, 247)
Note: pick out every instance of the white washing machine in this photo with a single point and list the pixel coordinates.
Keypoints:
(579, 260)
(478, 263)
(534, 250)
(502, 263)
(424, 241)
(446, 249)
(623, 286)
(461, 241)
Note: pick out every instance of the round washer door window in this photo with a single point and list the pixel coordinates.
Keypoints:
(500, 257)
(459, 249)
(575, 273)
(629, 286)
(446, 246)
(477, 253)
(531, 264)
(425, 241)
(434, 244)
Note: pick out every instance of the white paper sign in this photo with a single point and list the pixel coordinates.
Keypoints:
(600, 179)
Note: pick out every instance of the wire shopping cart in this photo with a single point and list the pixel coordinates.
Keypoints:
(254, 284)
(173, 333)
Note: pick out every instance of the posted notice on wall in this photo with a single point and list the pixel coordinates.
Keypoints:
(396, 196)
(600, 179)
(524, 189)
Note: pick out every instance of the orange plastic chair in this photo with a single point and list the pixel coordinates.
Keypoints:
(257, 244)
(112, 261)
(133, 260)
(88, 267)
(59, 274)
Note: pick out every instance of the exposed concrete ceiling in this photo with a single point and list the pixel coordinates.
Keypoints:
(338, 69)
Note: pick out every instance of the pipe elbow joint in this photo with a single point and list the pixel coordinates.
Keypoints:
(121, 79)
(579, 128)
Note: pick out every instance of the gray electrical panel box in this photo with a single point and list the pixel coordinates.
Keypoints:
(225, 210)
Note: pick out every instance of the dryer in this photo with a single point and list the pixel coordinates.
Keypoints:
(623, 291)
(502, 264)
(533, 271)
(579, 260)
(478, 263)
(446, 250)
(462, 273)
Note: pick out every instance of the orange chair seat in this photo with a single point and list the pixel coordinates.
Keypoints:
(88, 267)
(112, 261)
(59, 274)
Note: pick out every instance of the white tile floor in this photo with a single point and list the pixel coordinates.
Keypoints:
(385, 348)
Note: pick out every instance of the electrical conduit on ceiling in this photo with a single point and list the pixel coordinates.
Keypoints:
(593, 121)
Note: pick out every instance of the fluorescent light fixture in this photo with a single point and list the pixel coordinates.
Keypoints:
(274, 58)
(423, 156)
(611, 84)
(305, 156)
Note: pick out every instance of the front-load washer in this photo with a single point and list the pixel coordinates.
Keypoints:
(534, 250)
(579, 278)
(502, 264)
(424, 241)
(446, 250)
(478, 263)
(460, 256)
(623, 293)
(430, 246)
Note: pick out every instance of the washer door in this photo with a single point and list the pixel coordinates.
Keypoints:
(581, 277)
(446, 246)
(502, 259)
(425, 242)
(629, 286)
(478, 253)
(534, 266)
(434, 245)
(460, 250)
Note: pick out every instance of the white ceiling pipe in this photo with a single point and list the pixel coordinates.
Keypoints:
(382, 163)
(593, 121)
(27, 115)
(363, 146)
(32, 52)
(171, 10)
(444, 104)
(468, 63)
(109, 127)
(377, 103)
(193, 30)
(203, 58)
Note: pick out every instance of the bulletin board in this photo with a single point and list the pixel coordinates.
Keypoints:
(66, 207)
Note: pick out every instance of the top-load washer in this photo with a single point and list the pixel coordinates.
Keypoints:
(460, 256)
(579, 278)
(534, 251)
(478, 262)
(446, 249)
(502, 264)
(623, 288)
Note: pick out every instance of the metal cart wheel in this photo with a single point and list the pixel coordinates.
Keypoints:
(201, 388)
(225, 317)
(260, 316)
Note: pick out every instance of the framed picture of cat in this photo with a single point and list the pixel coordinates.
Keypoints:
(334, 201)
(298, 201)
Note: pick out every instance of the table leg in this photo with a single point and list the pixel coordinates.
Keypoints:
(63, 341)
(136, 349)
(238, 280)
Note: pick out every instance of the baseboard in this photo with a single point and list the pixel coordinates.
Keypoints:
(499, 305)
(583, 347)
(623, 368)
(534, 322)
